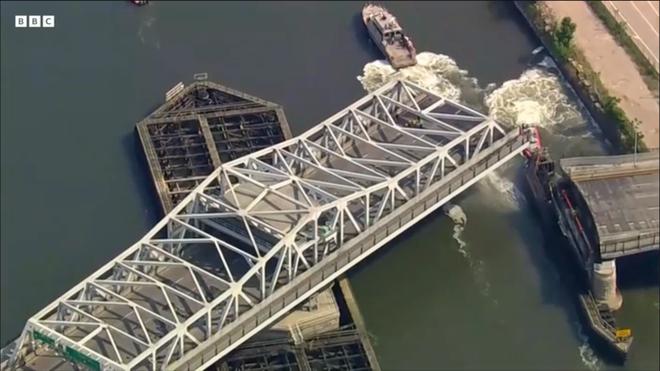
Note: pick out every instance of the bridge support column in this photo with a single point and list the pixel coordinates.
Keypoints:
(603, 285)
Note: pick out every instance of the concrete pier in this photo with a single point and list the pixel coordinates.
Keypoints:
(604, 287)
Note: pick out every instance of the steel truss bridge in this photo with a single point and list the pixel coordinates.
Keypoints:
(264, 232)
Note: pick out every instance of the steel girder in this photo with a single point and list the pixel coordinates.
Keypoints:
(258, 222)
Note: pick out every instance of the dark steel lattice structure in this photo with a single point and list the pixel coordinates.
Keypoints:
(199, 128)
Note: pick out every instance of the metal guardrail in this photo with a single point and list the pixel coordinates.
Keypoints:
(592, 306)
(585, 168)
(610, 160)
(302, 286)
(618, 338)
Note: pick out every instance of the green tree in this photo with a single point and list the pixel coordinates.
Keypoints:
(563, 36)
(566, 31)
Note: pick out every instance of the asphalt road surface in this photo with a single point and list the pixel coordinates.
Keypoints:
(643, 24)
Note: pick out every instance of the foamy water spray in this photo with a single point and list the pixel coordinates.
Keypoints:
(535, 98)
(587, 355)
(477, 266)
(435, 72)
(508, 195)
(457, 215)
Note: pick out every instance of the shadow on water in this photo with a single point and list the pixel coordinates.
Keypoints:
(638, 271)
(363, 39)
(390, 246)
(502, 10)
(505, 11)
(141, 175)
(559, 274)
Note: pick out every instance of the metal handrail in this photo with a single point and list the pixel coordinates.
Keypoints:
(595, 314)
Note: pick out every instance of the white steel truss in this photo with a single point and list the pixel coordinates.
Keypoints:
(256, 223)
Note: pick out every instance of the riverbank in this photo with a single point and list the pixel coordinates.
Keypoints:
(604, 77)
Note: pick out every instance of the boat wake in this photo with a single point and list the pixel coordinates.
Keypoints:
(435, 72)
(457, 215)
(147, 33)
(587, 355)
(536, 97)
(477, 266)
(509, 196)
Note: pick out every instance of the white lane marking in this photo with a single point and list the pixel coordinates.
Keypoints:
(655, 58)
(653, 7)
(644, 17)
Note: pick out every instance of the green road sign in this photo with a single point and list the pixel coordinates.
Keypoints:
(70, 354)
(36, 335)
(79, 358)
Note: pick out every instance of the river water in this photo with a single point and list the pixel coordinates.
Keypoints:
(470, 287)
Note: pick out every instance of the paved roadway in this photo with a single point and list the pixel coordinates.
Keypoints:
(643, 24)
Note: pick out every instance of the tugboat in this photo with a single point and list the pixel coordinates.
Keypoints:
(389, 36)
(540, 176)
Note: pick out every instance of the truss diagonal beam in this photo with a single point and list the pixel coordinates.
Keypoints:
(276, 218)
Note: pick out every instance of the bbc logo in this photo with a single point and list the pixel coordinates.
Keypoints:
(35, 21)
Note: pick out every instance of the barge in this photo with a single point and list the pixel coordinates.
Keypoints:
(548, 191)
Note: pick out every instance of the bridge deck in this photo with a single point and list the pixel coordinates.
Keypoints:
(622, 195)
(263, 232)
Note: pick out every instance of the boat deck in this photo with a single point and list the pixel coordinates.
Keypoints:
(388, 36)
